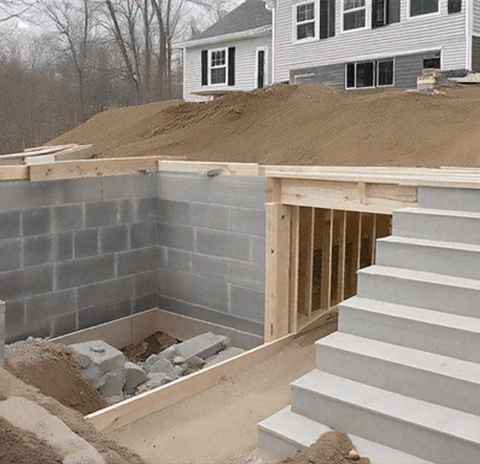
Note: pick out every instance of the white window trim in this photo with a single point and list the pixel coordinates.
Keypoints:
(377, 72)
(425, 15)
(266, 77)
(342, 17)
(210, 52)
(316, 22)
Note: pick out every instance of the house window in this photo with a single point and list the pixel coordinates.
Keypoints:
(218, 67)
(432, 63)
(305, 21)
(354, 14)
(454, 6)
(379, 13)
(327, 18)
(369, 74)
(421, 7)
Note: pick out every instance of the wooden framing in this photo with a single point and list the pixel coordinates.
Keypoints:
(211, 168)
(8, 173)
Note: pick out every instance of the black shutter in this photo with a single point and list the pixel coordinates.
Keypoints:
(393, 11)
(454, 6)
(331, 17)
(374, 13)
(327, 18)
(231, 66)
(204, 67)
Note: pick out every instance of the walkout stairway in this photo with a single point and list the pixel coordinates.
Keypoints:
(402, 374)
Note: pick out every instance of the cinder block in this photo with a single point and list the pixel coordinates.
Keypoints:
(210, 216)
(251, 276)
(144, 303)
(203, 346)
(101, 214)
(78, 190)
(142, 235)
(178, 260)
(174, 212)
(48, 306)
(10, 254)
(36, 222)
(175, 236)
(23, 195)
(10, 225)
(197, 290)
(15, 319)
(146, 283)
(211, 267)
(37, 250)
(27, 282)
(63, 247)
(248, 221)
(146, 210)
(247, 304)
(258, 250)
(122, 309)
(65, 324)
(94, 316)
(114, 239)
(102, 293)
(127, 211)
(134, 376)
(223, 244)
(133, 262)
(67, 217)
(133, 186)
(84, 271)
(86, 243)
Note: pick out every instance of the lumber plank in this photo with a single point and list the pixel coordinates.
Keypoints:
(327, 243)
(14, 173)
(75, 153)
(41, 159)
(373, 240)
(119, 415)
(306, 250)
(91, 168)
(342, 256)
(46, 149)
(294, 268)
(239, 169)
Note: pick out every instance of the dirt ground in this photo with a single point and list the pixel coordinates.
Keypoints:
(219, 425)
(308, 125)
(151, 345)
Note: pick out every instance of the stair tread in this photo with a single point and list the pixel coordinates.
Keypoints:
(422, 276)
(439, 419)
(431, 243)
(449, 320)
(417, 359)
(440, 212)
(304, 432)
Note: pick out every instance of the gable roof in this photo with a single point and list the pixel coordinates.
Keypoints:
(252, 14)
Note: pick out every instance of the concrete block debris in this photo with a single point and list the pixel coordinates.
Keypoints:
(227, 353)
(134, 376)
(203, 345)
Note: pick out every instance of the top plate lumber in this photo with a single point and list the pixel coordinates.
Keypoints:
(8, 173)
(210, 168)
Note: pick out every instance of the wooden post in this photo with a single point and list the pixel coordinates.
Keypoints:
(342, 256)
(326, 292)
(373, 241)
(294, 268)
(359, 243)
(305, 276)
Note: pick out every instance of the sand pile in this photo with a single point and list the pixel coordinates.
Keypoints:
(311, 124)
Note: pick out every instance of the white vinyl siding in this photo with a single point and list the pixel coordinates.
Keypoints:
(439, 31)
(476, 17)
(245, 66)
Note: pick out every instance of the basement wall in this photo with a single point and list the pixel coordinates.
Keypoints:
(80, 252)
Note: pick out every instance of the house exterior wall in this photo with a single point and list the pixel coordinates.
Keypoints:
(245, 66)
(411, 36)
(476, 54)
(476, 17)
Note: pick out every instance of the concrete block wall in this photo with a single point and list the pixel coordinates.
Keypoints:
(211, 237)
(77, 253)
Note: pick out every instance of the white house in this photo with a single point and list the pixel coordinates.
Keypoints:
(233, 54)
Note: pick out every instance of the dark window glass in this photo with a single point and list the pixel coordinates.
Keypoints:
(261, 69)
(350, 75)
(354, 20)
(454, 6)
(431, 63)
(419, 7)
(219, 76)
(385, 72)
(379, 13)
(305, 12)
(365, 74)
(305, 30)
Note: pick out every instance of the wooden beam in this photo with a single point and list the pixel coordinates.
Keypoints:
(278, 273)
(305, 277)
(126, 412)
(373, 241)
(326, 291)
(239, 169)
(342, 256)
(359, 241)
(75, 153)
(14, 173)
(294, 268)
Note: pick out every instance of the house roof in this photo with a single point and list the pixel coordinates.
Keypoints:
(252, 14)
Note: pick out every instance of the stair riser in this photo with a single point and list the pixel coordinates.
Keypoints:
(389, 431)
(445, 261)
(411, 334)
(405, 380)
(438, 297)
(275, 446)
(449, 199)
(436, 227)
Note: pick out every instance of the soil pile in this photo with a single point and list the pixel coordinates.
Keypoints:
(308, 125)
(51, 368)
(331, 448)
(154, 344)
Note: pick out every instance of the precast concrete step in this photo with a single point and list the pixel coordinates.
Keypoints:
(282, 434)
(434, 224)
(433, 331)
(449, 198)
(425, 290)
(415, 373)
(447, 258)
(426, 430)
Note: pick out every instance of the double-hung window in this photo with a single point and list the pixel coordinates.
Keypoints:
(354, 14)
(421, 7)
(305, 21)
(218, 66)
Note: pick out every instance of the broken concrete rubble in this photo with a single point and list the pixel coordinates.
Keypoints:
(203, 345)
(134, 376)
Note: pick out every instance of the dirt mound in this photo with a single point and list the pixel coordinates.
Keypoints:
(150, 345)
(50, 367)
(331, 448)
(312, 124)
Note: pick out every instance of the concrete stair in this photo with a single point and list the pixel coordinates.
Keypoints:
(402, 374)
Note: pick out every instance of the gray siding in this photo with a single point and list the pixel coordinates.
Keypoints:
(328, 75)
(476, 54)
(476, 17)
(410, 36)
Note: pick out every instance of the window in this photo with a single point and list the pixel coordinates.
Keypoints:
(327, 18)
(432, 63)
(354, 14)
(454, 6)
(218, 67)
(421, 7)
(305, 21)
(369, 74)
(379, 13)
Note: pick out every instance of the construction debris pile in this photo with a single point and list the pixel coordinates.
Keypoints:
(116, 378)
